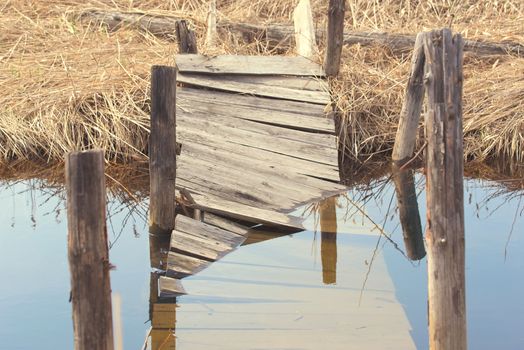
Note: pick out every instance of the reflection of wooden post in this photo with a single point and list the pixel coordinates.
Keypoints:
(445, 202)
(411, 106)
(408, 212)
(162, 313)
(158, 249)
(162, 150)
(88, 251)
(328, 244)
(335, 36)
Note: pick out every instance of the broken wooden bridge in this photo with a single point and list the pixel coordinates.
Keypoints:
(257, 142)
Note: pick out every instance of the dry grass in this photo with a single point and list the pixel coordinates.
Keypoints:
(69, 85)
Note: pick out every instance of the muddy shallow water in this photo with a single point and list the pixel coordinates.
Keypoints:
(351, 289)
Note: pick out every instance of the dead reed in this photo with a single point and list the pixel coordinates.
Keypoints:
(68, 84)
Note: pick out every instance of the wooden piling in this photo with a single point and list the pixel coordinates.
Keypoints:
(335, 36)
(411, 106)
(404, 181)
(305, 36)
(211, 32)
(162, 150)
(445, 202)
(186, 38)
(88, 251)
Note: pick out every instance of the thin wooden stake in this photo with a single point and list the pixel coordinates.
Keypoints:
(335, 36)
(88, 251)
(411, 106)
(305, 36)
(211, 33)
(444, 191)
(162, 150)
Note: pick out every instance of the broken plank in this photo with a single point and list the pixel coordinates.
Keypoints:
(254, 65)
(197, 246)
(190, 226)
(291, 82)
(180, 265)
(251, 214)
(220, 222)
(285, 93)
(169, 287)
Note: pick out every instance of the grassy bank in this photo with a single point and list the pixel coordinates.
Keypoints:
(69, 84)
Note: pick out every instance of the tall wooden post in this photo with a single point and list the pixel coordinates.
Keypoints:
(445, 202)
(186, 38)
(335, 36)
(88, 251)
(328, 243)
(162, 150)
(305, 36)
(404, 181)
(411, 106)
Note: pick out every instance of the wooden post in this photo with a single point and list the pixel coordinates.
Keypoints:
(335, 36)
(328, 243)
(444, 190)
(88, 251)
(162, 150)
(186, 38)
(305, 36)
(411, 106)
(408, 212)
(211, 33)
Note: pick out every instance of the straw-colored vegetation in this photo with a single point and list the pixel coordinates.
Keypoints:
(67, 84)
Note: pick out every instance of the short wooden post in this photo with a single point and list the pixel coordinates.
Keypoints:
(411, 106)
(404, 181)
(444, 191)
(162, 150)
(335, 36)
(186, 38)
(211, 33)
(328, 243)
(88, 251)
(305, 36)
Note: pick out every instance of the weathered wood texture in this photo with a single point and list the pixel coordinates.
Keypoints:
(211, 31)
(335, 36)
(445, 227)
(253, 65)
(162, 150)
(282, 35)
(170, 287)
(408, 212)
(305, 38)
(411, 106)
(186, 38)
(88, 251)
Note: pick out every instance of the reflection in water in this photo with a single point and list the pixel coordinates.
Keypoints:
(162, 310)
(409, 216)
(328, 244)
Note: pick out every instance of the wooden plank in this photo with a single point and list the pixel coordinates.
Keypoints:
(225, 118)
(281, 164)
(255, 65)
(197, 246)
(252, 214)
(291, 82)
(226, 224)
(188, 225)
(292, 148)
(285, 93)
(164, 315)
(180, 266)
(245, 174)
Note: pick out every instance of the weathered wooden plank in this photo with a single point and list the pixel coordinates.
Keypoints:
(291, 82)
(255, 65)
(219, 206)
(190, 226)
(197, 246)
(226, 224)
(164, 314)
(180, 265)
(292, 148)
(225, 118)
(281, 164)
(285, 93)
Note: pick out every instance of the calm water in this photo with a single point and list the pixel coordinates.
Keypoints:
(310, 290)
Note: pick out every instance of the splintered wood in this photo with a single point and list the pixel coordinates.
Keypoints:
(257, 140)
